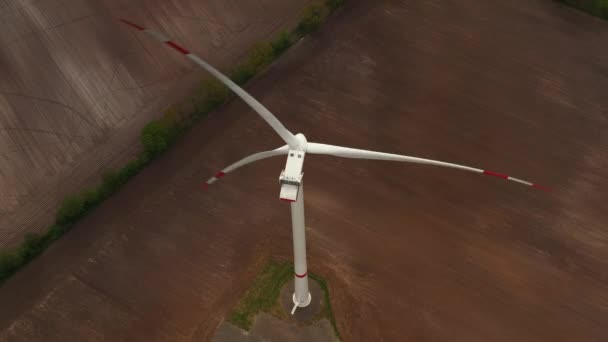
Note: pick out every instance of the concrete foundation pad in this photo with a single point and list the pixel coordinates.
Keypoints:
(270, 328)
(305, 325)
(305, 314)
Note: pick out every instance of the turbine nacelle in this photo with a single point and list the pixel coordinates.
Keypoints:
(291, 177)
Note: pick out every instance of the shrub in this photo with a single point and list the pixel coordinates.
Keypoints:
(121, 176)
(9, 263)
(601, 8)
(171, 116)
(90, 197)
(281, 44)
(261, 55)
(311, 19)
(596, 7)
(56, 231)
(112, 180)
(155, 137)
(132, 168)
(70, 210)
(158, 134)
(215, 94)
(32, 245)
(333, 5)
(241, 74)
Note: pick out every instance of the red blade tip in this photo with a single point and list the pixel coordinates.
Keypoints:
(540, 187)
(495, 174)
(132, 24)
(177, 47)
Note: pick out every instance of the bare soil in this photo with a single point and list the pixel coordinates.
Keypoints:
(270, 328)
(411, 253)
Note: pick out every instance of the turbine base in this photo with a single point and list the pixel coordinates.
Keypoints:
(302, 305)
(305, 312)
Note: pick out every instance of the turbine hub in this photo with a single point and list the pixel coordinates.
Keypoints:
(302, 142)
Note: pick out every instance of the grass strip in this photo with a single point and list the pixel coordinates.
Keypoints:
(263, 296)
(598, 8)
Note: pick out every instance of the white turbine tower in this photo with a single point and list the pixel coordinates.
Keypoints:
(291, 177)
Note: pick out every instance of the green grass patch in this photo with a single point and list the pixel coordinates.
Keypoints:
(263, 296)
(598, 8)
(327, 311)
(158, 135)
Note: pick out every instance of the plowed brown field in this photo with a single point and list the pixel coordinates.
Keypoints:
(411, 253)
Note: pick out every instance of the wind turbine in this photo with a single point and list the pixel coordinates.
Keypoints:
(296, 149)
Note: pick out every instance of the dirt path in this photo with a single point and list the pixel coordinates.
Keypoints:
(77, 87)
(411, 253)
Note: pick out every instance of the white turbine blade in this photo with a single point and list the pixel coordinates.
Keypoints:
(285, 134)
(283, 150)
(347, 152)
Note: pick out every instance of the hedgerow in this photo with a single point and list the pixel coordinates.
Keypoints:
(597, 8)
